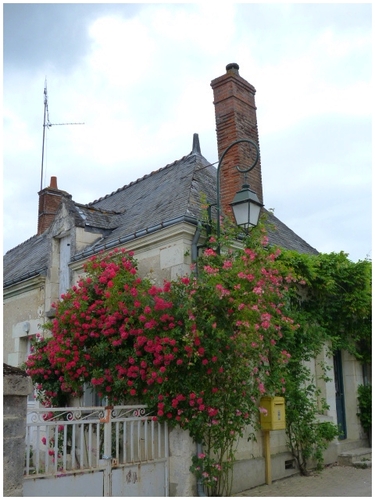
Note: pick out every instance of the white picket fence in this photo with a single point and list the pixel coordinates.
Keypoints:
(63, 441)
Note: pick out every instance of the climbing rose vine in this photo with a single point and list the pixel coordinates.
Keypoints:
(200, 352)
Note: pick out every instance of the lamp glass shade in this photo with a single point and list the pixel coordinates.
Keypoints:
(246, 207)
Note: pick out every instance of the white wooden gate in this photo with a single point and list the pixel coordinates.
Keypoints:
(95, 451)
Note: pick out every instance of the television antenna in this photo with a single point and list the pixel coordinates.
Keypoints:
(48, 124)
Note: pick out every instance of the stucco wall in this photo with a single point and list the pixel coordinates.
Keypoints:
(160, 257)
(26, 307)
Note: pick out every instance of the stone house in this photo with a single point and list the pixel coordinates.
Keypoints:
(157, 216)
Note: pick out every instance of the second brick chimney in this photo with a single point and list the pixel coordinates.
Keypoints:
(235, 113)
(49, 201)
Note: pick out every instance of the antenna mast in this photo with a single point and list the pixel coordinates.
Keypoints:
(48, 124)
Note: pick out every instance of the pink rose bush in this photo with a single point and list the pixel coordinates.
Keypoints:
(200, 352)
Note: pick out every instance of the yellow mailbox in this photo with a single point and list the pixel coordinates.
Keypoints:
(275, 418)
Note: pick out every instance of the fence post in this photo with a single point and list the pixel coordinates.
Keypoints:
(107, 453)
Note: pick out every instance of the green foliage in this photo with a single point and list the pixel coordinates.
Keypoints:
(307, 437)
(335, 297)
(215, 474)
(365, 406)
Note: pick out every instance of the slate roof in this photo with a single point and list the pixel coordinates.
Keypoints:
(169, 195)
(26, 260)
(162, 198)
(282, 236)
(98, 218)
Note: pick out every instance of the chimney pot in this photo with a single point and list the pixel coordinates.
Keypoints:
(232, 68)
(53, 182)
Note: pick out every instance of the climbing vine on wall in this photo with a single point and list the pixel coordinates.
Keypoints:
(335, 298)
(331, 300)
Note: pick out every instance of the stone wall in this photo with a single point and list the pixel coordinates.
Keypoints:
(16, 387)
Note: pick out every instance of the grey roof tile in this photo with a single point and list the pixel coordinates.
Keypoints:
(281, 235)
(97, 218)
(26, 260)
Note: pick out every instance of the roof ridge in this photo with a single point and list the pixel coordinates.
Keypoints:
(141, 178)
(197, 168)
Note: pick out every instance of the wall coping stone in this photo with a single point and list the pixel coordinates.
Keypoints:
(15, 381)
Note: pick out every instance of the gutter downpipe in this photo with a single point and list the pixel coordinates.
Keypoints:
(200, 489)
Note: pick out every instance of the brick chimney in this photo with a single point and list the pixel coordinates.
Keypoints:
(49, 201)
(235, 113)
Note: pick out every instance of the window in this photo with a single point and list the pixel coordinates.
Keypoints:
(90, 397)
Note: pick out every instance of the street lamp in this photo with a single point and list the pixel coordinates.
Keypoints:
(245, 205)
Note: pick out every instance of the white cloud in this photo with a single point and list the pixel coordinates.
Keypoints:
(198, 26)
(118, 46)
(142, 87)
(16, 132)
(339, 45)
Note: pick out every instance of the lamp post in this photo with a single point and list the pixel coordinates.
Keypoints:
(245, 205)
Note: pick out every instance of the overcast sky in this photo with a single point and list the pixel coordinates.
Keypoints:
(138, 76)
